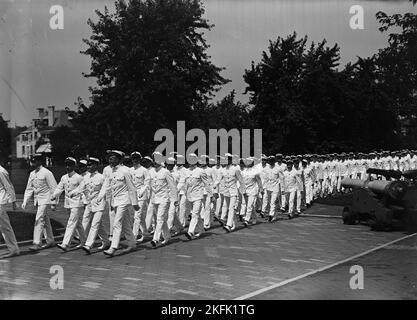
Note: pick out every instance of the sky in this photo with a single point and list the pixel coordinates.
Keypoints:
(41, 67)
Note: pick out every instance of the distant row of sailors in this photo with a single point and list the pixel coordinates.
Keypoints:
(139, 198)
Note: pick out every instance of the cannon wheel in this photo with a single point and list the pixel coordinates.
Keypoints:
(348, 216)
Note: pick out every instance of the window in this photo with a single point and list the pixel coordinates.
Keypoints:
(23, 150)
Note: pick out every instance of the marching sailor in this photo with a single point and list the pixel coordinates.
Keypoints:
(69, 182)
(141, 180)
(91, 187)
(87, 216)
(164, 191)
(195, 185)
(124, 197)
(253, 186)
(41, 184)
(174, 223)
(231, 176)
(7, 195)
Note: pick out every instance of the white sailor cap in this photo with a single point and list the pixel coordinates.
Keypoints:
(148, 158)
(92, 159)
(37, 155)
(229, 155)
(136, 154)
(117, 153)
(204, 159)
(192, 158)
(158, 157)
(212, 161)
(71, 160)
(170, 160)
(83, 162)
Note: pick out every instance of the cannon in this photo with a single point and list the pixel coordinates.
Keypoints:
(381, 203)
(388, 174)
(410, 174)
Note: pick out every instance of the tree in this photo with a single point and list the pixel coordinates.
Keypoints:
(65, 143)
(304, 103)
(5, 141)
(152, 69)
(294, 90)
(397, 66)
(227, 113)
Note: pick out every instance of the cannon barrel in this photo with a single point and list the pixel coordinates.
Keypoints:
(394, 189)
(410, 174)
(385, 173)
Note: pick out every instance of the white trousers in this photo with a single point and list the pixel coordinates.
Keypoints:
(273, 199)
(86, 220)
(7, 232)
(74, 223)
(123, 224)
(207, 211)
(339, 183)
(196, 223)
(309, 192)
(139, 223)
(266, 200)
(42, 226)
(161, 221)
(182, 209)
(219, 205)
(229, 210)
(292, 195)
(111, 213)
(150, 219)
(248, 207)
(173, 217)
(97, 228)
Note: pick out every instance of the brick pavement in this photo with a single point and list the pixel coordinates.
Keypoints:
(217, 266)
(389, 273)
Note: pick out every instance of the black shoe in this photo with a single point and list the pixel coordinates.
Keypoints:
(62, 247)
(189, 236)
(110, 252)
(290, 216)
(154, 243)
(246, 224)
(86, 249)
(270, 218)
(261, 214)
(227, 228)
(222, 222)
(35, 248)
(215, 218)
(240, 218)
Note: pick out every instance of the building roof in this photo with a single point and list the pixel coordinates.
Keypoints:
(44, 148)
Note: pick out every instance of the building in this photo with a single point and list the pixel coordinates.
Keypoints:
(35, 139)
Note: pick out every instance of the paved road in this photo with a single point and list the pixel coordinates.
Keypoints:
(218, 266)
(389, 273)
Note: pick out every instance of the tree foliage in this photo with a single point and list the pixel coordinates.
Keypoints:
(65, 143)
(305, 103)
(150, 61)
(152, 68)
